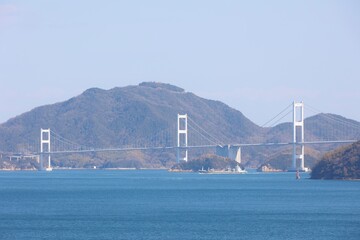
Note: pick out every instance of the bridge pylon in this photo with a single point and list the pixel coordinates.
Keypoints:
(45, 143)
(298, 128)
(182, 137)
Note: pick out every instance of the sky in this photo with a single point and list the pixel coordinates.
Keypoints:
(255, 56)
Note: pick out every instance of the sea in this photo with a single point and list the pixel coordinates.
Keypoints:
(156, 204)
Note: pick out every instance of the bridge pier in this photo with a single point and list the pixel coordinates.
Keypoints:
(229, 151)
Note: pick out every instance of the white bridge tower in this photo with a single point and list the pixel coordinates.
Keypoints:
(298, 128)
(182, 137)
(45, 144)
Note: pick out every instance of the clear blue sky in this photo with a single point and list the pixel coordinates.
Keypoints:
(256, 56)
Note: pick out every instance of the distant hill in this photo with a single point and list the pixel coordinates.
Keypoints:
(143, 114)
(121, 116)
(343, 163)
(104, 118)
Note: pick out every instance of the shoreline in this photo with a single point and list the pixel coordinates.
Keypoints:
(94, 169)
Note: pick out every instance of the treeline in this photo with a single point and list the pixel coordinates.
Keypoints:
(206, 162)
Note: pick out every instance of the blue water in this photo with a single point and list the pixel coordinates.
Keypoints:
(98, 204)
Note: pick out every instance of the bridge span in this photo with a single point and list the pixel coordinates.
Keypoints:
(182, 145)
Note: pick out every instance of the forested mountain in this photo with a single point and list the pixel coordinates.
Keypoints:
(103, 118)
(144, 115)
(343, 163)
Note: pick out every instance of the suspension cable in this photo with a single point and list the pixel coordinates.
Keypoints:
(209, 136)
(190, 126)
(285, 115)
(332, 117)
(67, 141)
(276, 116)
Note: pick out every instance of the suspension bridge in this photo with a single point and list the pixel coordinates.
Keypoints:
(188, 134)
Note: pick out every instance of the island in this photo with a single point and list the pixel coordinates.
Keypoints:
(209, 163)
(343, 163)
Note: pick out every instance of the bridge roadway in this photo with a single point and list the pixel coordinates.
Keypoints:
(193, 147)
